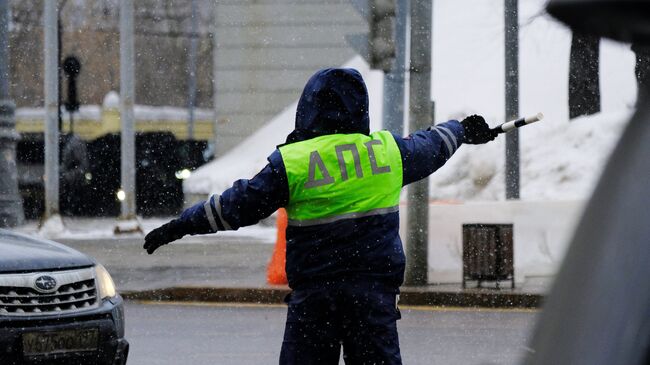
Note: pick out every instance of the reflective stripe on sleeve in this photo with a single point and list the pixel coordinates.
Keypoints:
(217, 205)
(444, 137)
(450, 135)
(210, 215)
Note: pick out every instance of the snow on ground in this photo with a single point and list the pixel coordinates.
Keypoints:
(92, 229)
(560, 160)
(52, 227)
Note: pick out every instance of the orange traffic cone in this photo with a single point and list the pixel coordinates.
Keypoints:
(275, 273)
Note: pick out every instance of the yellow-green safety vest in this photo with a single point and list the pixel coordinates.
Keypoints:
(342, 176)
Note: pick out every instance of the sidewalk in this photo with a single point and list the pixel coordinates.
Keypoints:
(231, 267)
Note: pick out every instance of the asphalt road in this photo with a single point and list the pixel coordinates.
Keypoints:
(235, 334)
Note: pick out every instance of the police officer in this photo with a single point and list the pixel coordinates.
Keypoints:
(341, 186)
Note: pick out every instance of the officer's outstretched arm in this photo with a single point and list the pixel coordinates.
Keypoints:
(425, 151)
(244, 204)
(193, 220)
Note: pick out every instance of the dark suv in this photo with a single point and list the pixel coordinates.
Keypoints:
(57, 306)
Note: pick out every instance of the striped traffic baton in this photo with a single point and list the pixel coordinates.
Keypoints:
(518, 123)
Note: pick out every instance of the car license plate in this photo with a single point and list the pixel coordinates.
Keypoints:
(56, 342)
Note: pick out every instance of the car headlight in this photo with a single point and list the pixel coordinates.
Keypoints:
(105, 285)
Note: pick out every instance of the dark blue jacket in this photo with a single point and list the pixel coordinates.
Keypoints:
(368, 248)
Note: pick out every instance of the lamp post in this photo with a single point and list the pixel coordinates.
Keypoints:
(420, 107)
(51, 91)
(127, 222)
(11, 208)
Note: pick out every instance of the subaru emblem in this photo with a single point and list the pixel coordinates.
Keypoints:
(45, 283)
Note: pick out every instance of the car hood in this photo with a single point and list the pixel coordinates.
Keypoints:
(21, 253)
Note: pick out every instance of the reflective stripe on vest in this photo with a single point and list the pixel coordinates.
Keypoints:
(342, 176)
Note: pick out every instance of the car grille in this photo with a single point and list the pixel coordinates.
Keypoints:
(75, 291)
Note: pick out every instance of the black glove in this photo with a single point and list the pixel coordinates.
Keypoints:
(162, 235)
(477, 131)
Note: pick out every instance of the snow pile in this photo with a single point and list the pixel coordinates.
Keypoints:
(556, 164)
(85, 112)
(169, 113)
(157, 113)
(52, 227)
(112, 102)
(248, 158)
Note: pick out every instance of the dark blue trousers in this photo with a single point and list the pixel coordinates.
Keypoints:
(360, 317)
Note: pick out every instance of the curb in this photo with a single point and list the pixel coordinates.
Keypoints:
(470, 298)
(207, 294)
(415, 296)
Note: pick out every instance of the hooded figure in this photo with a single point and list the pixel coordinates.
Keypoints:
(340, 185)
(333, 101)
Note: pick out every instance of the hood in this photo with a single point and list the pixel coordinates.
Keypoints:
(335, 100)
(21, 253)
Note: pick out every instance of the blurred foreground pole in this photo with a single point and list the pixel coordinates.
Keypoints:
(11, 207)
(51, 58)
(127, 78)
(394, 79)
(420, 118)
(511, 23)
(598, 310)
(191, 89)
